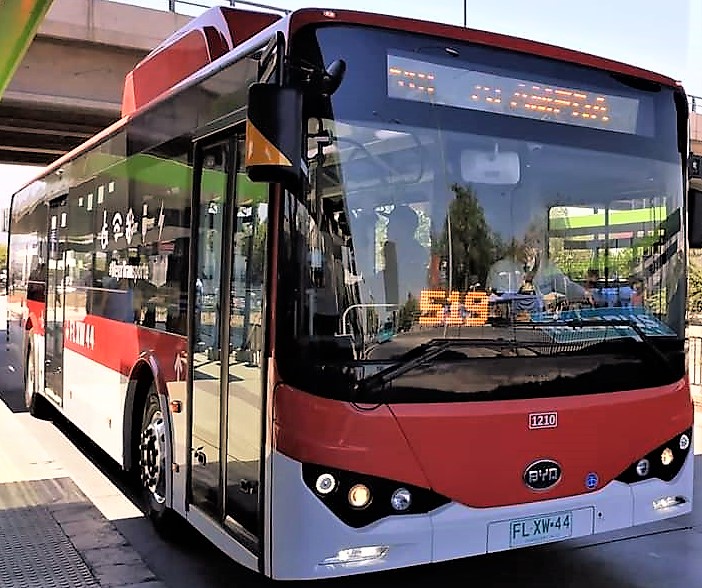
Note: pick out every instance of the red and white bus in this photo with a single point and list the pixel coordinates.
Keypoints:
(351, 292)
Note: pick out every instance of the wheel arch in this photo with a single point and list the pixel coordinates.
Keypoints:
(27, 335)
(30, 345)
(145, 372)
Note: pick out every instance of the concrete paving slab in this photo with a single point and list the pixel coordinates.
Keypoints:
(52, 535)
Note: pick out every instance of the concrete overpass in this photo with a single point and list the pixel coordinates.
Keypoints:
(69, 84)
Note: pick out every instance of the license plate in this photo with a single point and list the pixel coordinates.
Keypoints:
(539, 529)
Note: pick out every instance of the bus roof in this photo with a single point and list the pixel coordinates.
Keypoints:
(214, 34)
(305, 16)
(200, 42)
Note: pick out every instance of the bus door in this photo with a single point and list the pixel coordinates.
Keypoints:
(226, 341)
(55, 294)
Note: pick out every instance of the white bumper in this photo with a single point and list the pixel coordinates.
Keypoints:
(305, 533)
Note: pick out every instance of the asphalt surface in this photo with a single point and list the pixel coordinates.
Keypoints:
(69, 518)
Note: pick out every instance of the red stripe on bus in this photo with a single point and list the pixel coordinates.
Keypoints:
(35, 316)
(118, 345)
(476, 452)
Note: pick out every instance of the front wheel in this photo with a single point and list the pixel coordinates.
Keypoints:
(152, 460)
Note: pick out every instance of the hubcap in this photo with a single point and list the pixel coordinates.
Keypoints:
(153, 457)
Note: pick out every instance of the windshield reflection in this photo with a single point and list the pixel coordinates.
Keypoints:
(404, 238)
(434, 216)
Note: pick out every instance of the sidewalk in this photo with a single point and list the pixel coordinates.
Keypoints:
(51, 534)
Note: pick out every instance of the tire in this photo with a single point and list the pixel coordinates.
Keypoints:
(36, 404)
(152, 464)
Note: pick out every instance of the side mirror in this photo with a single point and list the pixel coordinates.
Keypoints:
(694, 214)
(274, 135)
(333, 76)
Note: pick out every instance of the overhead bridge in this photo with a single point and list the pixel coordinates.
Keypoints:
(69, 84)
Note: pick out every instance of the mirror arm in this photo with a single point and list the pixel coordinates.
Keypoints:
(280, 58)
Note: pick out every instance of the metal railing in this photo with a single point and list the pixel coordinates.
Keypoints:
(173, 5)
(195, 7)
(695, 104)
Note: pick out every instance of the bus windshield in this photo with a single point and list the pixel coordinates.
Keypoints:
(503, 205)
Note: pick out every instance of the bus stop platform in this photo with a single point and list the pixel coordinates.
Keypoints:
(51, 534)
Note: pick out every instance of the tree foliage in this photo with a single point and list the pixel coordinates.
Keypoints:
(694, 285)
(474, 247)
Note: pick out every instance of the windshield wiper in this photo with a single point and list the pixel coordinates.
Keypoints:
(435, 347)
(419, 355)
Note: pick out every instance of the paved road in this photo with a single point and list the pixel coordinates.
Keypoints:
(53, 482)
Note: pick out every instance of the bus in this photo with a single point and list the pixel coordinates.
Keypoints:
(350, 292)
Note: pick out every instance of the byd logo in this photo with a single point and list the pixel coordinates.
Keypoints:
(542, 474)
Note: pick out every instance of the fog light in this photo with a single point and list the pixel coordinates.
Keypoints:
(359, 496)
(358, 555)
(325, 484)
(684, 442)
(668, 502)
(667, 456)
(643, 467)
(401, 499)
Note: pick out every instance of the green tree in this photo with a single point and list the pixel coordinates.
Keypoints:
(258, 253)
(474, 247)
(694, 287)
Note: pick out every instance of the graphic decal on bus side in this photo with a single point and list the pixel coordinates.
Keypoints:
(117, 345)
(80, 333)
(128, 226)
(128, 272)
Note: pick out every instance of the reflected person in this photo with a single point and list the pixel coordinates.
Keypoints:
(406, 260)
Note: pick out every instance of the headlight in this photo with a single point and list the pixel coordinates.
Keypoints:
(643, 467)
(359, 499)
(325, 484)
(359, 496)
(684, 442)
(663, 463)
(401, 499)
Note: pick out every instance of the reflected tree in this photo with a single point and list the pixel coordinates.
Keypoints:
(474, 247)
(408, 314)
(694, 287)
(258, 253)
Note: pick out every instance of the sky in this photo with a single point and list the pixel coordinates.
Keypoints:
(660, 35)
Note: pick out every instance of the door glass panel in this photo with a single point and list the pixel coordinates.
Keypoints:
(245, 386)
(58, 221)
(207, 382)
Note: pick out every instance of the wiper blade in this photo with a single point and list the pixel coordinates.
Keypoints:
(419, 355)
(385, 376)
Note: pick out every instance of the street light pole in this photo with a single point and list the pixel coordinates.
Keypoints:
(465, 13)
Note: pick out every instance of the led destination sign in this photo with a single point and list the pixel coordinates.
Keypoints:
(421, 81)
